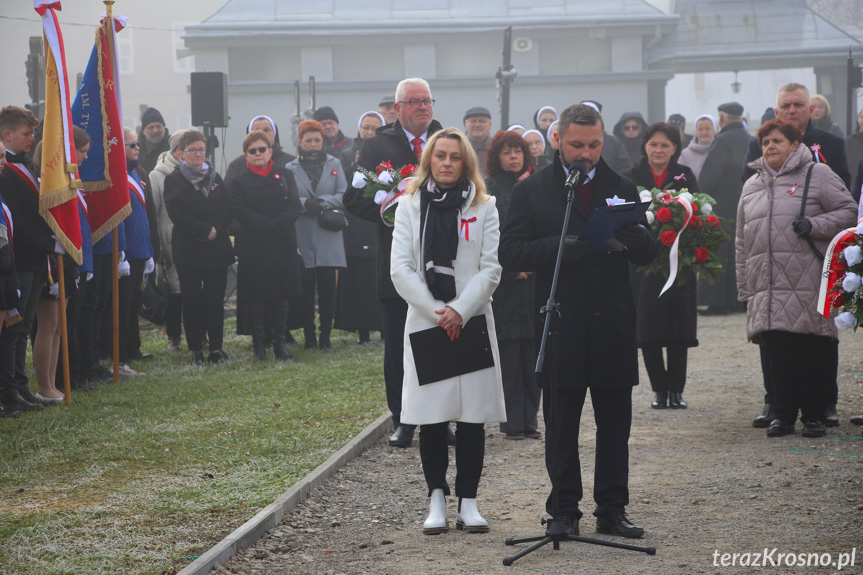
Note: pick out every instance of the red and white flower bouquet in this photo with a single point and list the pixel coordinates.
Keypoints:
(386, 185)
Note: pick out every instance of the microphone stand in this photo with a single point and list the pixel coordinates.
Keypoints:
(555, 532)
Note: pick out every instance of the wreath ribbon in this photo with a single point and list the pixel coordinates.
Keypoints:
(833, 270)
(673, 256)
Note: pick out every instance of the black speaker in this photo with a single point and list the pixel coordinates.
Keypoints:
(210, 99)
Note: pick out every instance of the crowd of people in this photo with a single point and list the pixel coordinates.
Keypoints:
(471, 253)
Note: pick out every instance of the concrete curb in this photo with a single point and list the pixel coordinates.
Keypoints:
(271, 515)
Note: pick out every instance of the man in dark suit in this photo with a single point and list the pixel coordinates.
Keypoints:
(400, 143)
(718, 179)
(793, 105)
(595, 344)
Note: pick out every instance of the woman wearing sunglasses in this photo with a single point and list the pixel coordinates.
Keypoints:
(264, 200)
(198, 205)
(630, 131)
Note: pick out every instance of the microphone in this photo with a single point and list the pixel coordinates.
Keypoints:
(577, 170)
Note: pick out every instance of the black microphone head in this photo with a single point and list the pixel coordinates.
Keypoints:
(578, 167)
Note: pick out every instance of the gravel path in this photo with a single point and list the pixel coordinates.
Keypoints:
(702, 480)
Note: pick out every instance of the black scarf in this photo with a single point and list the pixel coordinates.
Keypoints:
(439, 212)
(312, 162)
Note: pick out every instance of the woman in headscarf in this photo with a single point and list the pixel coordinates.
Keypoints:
(517, 128)
(536, 142)
(543, 118)
(357, 302)
(444, 264)
(696, 152)
(321, 184)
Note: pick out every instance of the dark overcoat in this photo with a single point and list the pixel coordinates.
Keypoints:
(194, 215)
(670, 319)
(512, 303)
(267, 208)
(719, 178)
(596, 336)
(33, 241)
(389, 144)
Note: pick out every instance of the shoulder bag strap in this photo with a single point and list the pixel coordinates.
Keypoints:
(803, 210)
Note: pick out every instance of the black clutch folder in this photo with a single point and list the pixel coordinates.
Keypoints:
(606, 220)
(437, 358)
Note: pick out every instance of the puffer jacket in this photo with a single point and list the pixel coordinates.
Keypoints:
(778, 275)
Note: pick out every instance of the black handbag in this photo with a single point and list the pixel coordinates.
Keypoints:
(333, 220)
(154, 301)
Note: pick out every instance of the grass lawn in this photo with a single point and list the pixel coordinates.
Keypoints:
(146, 475)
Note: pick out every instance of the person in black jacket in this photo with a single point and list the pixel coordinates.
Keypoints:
(198, 205)
(280, 157)
(401, 144)
(667, 321)
(265, 201)
(794, 105)
(8, 282)
(595, 346)
(509, 162)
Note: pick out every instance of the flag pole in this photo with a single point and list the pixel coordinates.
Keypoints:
(64, 331)
(115, 250)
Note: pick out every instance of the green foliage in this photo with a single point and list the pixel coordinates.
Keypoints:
(142, 476)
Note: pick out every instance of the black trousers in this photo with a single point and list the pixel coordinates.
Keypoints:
(324, 279)
(203, 292)
(667, 376)
(800, 368)
(832, 389)
(520, 390)
(130, 306)
(469, 455)
(95, 306)
(612, 409)
(394, 313)
(30, 283)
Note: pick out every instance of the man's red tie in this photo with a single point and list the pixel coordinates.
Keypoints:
(418, 147)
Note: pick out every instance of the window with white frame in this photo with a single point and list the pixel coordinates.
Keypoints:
(183, 64)
(125, 53)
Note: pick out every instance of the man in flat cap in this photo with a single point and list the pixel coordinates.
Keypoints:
(335, 142)
(477, 126)
(679, 121)
(387, 108)
(719, 179)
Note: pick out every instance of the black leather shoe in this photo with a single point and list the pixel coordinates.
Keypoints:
(778, 429)
(198, 357)
(18, 403)
(857, 420)
(8, 413)
(660, 400)
(403, 437)
(831, 418)
(217, 357)
(765, 418)
(570, 523)
(618, 524)
(450, 435)
(675, 401)
(813, 429)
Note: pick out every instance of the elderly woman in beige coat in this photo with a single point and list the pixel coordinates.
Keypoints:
(444, 264)
(780, 226)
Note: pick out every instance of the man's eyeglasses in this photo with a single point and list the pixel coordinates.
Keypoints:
(196, 150)
(133, 145)
(416, 102)
(256, 151)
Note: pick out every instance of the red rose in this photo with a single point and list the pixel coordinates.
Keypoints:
(668, 237)
(408, 171)
(663, 214)
(713, 221)
(383, 166)
(701, 255)
(695, 222)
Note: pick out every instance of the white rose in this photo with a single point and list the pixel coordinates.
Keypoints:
(845, 320)
(380, 196)
(359, 180)
(706, 209)
(687, 196)
(650, 217)
(645, 196)
(860, 227)
(851, 282)
(385, 178)
(853, 255)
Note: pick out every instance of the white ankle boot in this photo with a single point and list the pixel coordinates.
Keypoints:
(469, 518)
(436, 521)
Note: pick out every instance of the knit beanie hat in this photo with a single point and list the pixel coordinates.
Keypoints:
(151, 115)
(325, 113)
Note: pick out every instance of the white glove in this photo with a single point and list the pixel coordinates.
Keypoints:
(123, 269)
(149, 266)
(89, 276)
(54, 290)
(58, 247)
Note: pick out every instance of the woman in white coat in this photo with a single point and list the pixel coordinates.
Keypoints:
(444, 264)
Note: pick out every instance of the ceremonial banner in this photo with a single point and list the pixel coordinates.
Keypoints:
(97, 110)
(58, 185)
